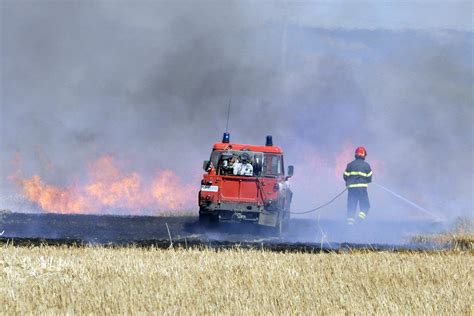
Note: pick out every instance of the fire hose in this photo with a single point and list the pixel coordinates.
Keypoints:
(422, 209)
(321, 206)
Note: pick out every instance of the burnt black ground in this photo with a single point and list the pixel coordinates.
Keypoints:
(185, 230)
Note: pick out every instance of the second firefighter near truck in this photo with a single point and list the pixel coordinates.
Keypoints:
(358, 175)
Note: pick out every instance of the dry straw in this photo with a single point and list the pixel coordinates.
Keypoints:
(133, 280)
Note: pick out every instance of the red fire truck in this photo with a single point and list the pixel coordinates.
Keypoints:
(246, 183)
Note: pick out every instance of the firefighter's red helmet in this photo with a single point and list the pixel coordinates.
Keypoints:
(361, 152)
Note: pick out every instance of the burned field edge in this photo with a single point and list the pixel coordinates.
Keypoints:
(273, 246)
(36, 230)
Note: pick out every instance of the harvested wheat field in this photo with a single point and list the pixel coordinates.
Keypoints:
(134, 280)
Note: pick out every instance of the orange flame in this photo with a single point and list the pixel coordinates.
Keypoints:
(110, 187)
(107, 188)
(163, 189)
(52, 198)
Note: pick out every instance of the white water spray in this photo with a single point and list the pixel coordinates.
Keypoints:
(422, 209)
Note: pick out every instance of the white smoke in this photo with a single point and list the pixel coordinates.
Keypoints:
(149, 82)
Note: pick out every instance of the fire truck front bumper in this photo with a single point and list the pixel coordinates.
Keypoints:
(240, 212)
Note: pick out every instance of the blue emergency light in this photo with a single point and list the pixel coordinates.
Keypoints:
(269, 141)
(226, 138)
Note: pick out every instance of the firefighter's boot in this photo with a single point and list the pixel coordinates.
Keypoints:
(362, 215)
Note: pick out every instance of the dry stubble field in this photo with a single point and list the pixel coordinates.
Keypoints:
(134, 280)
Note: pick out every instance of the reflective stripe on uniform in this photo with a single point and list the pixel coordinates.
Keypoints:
(362, 215)
(358, 173)
(358, 185)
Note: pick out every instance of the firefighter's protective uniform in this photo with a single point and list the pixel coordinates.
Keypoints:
(358, 175)
(243, 169)
(246, 169)
(236, 167)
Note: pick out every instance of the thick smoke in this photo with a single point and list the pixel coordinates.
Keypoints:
(149, 83)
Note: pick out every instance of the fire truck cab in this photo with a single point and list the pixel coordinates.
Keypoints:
(246, 183)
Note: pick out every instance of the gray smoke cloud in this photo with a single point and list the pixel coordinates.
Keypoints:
(149, 82)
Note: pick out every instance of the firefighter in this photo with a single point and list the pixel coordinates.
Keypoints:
(358, 175)
(243, 168)
(236, 166)
(227, 162)
(246, 168)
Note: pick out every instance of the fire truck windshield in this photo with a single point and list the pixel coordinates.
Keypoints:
(264, 164)
(272, 165)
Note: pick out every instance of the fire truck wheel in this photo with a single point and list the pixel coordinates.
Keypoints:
(208, 219)
(214, 219)
(203, 219)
